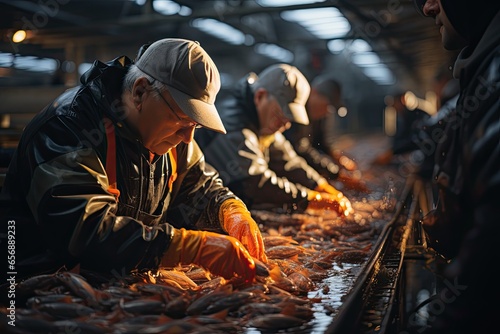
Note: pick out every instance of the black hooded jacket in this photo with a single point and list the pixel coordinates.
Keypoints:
(467, 172)
(56, 188)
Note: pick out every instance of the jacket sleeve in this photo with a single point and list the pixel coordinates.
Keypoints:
(67, 195)
(245, 170)
(197, 193)
(471, 150)
(300, 137)
(284, 160)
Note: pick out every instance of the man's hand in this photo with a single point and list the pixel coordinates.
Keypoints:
(220, 254)
(325, 201)
(238, 223)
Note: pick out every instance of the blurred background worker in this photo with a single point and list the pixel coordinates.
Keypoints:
(467, 169)
(408, 123)
(310, 141)
(254, 158)
(108, 176)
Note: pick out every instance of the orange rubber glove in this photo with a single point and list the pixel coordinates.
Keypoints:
(324, 187)
(319, 201)
(238, 223)
(218, 253)
(345, 207)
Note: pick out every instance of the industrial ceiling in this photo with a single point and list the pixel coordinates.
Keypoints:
(81, 31)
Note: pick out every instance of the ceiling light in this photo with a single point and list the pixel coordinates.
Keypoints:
(380, 74)
(220, 30)
(168, 7)
(336, 46)
(19, 36)
(365, 58)
(359, 45)
(274, 51)
(284, 3)
(325, 23)
(35, 64)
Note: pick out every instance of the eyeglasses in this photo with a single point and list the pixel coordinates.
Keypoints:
(188, 124)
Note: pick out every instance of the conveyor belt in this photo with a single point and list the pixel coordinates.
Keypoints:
(373, 305)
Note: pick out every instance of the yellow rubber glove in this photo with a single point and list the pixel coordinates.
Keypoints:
(220, 254)
(319, 201)
(238, 223)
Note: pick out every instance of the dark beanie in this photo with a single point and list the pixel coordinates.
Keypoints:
(470, 17)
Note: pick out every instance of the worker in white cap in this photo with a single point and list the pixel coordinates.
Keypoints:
(108, 176)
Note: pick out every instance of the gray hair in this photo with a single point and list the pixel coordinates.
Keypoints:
(135, 73)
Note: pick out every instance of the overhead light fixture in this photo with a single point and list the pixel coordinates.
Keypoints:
(6, 59)
(168, 7)
(336, 46)
(274, 51)
(380, 74)
(221, 30)
(365, 59)
(19, 36)
(28, 63)
(324, 23)
(284, 3)
(359, 45)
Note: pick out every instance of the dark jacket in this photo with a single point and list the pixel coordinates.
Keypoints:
(273, 176)
(468, 174)
(310, 144)
(57, 186)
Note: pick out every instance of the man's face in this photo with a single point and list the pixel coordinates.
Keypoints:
(450, 39)
(162, 124)
(318, 105)
(272, 118)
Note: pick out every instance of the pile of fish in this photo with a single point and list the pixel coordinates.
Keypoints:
(313, 262)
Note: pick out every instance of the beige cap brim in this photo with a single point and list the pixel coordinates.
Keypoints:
(201, 112)
(298, 113)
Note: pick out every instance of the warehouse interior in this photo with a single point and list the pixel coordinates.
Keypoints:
(374, 48)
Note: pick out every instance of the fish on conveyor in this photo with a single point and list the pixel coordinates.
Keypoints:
(65, 310)
(170, 277)
(143, 306)
(284, 252)
(258, 308)
(279, 279)
(81, 288)
(177, 307)
(301, 281)
(278, 240)
(275, 321)
(74, 327)
(200, 304)
(57, 298)
(38, 282)
(229, 302)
